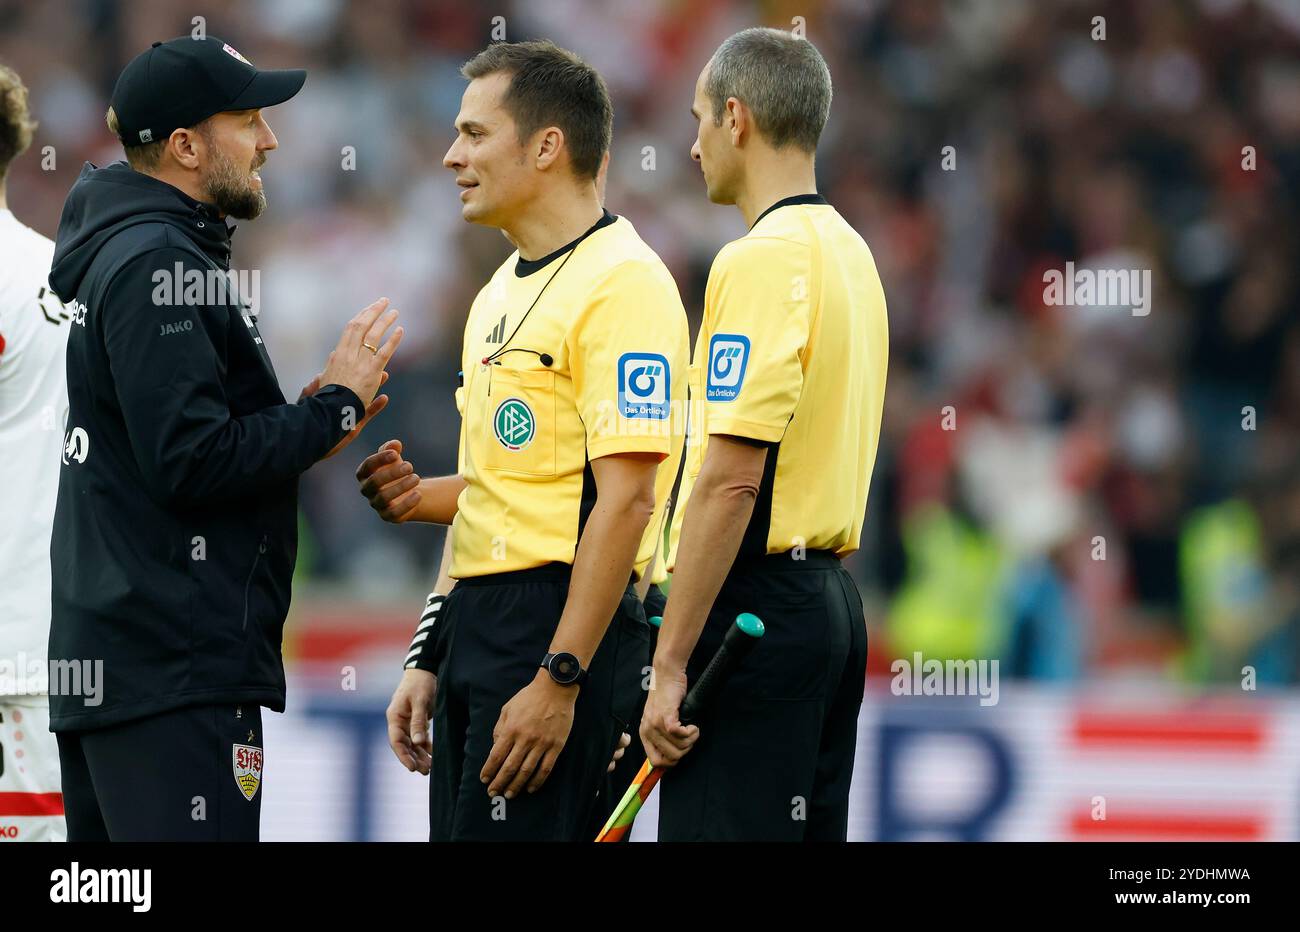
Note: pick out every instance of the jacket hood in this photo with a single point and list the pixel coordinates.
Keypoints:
(105, 201)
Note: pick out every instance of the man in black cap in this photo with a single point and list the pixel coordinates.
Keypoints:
(175, 532)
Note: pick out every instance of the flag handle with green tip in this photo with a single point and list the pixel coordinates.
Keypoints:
(739, 641)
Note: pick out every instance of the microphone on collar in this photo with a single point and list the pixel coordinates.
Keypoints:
(547, 359)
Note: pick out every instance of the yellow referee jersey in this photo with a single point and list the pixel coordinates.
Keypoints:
(567, 358)
(792, 352)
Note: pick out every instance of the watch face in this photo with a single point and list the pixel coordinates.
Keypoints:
(565, 668)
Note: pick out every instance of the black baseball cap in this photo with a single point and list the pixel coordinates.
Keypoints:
(184, 81)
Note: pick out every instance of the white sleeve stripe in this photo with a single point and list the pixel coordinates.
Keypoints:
(419, 637)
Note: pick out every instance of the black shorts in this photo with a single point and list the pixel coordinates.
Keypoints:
(655, 602)
(500, 628)
(191, 774)
(775, 754)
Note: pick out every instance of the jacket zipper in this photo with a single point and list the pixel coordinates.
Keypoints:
(248, 583)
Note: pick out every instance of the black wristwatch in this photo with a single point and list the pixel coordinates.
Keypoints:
(564, 669)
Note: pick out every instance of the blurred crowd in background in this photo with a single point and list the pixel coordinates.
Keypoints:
(1081, 492)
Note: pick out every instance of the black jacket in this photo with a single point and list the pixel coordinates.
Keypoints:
(175, 533)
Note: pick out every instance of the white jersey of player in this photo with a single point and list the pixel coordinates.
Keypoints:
(34, 327)
(31, 803)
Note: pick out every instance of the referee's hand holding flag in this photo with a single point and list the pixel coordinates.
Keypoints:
(665, 738)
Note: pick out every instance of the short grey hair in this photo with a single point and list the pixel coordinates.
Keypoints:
(780, 77)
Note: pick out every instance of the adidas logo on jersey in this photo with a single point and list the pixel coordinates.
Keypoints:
(498, 332)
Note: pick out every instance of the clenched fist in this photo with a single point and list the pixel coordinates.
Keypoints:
(390, 483)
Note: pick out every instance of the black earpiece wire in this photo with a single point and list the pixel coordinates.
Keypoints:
(545, 358)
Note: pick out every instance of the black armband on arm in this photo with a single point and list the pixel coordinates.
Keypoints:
(425, 652)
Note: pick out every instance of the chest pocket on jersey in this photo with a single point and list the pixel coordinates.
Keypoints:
(521, 421)
(695, 433)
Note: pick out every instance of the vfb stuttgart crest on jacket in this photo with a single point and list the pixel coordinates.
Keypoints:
(248, 769)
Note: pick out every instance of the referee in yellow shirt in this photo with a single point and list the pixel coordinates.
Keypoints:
(573, 380)
(789, 377)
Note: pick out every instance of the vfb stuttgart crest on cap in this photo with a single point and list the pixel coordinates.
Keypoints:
(225, 47)
(247, 762)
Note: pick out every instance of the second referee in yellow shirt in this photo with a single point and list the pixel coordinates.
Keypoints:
(789, 382)
(575, 352)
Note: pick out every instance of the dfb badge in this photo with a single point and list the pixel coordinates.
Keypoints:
(247, 763)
